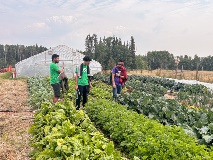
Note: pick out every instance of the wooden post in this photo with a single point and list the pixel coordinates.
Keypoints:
(176, 62)
(45, 56)
(197, 71)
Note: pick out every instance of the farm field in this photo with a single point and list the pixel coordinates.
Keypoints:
(153, 118)
(134, 135)
(203, 76)
(106, 80)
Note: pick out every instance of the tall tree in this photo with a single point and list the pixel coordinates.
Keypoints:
(132, 51)
(140, 63)
(160, 59)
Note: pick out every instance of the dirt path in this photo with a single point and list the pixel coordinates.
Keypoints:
(15, 119)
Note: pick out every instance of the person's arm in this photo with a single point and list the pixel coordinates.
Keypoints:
(56, 68)
(90, 84)
(76, 81)
(76, 78)
(113, 80)
(61, 71)
(90, 81)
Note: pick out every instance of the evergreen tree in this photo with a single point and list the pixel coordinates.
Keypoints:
(132, 51)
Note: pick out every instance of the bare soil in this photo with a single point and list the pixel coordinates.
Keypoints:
(15, 119)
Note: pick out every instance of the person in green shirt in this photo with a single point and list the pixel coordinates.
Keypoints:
(54, 74)
(83, 83)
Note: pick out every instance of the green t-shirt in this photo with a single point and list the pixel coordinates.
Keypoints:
(54, 73)
(83, 80)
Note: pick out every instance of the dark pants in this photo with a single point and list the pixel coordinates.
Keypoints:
(82, 91)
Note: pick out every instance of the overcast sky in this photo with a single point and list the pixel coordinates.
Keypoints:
(179, 26)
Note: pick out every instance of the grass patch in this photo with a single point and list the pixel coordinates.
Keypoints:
(7, 75)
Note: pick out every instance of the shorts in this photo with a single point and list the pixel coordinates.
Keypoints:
(56, 89)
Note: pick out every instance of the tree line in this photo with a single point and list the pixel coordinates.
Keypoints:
(202, 63)
(166, 60)
(109, 50)
(11, 54)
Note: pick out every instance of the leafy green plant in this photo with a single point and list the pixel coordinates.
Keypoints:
(147, 98)
(171, 112)
(61, 132)
(139, 136)
(99, 90)
(155, 89)
(39, 91)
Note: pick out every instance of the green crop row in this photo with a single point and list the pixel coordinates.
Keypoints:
(139, 136)
(39, 91)
(194, 95)
(60, 132)
(108, 115)
(196, 121)
(99, 90)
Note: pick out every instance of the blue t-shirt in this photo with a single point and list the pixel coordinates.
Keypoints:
(114, 71)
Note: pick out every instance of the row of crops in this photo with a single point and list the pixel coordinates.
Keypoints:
(192, 109)
(106, 129)
(60, 132)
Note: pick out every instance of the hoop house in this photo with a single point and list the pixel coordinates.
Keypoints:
(39, 64)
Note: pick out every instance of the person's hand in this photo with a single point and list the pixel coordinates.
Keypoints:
(114, 86)
(76, 87)
(90, 86)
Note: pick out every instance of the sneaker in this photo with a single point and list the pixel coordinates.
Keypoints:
(78, 108)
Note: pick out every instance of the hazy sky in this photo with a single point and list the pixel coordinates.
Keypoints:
(179, 26)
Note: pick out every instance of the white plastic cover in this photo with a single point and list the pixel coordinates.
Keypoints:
(39, 64)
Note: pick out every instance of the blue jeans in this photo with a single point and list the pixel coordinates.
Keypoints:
(117, 91)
